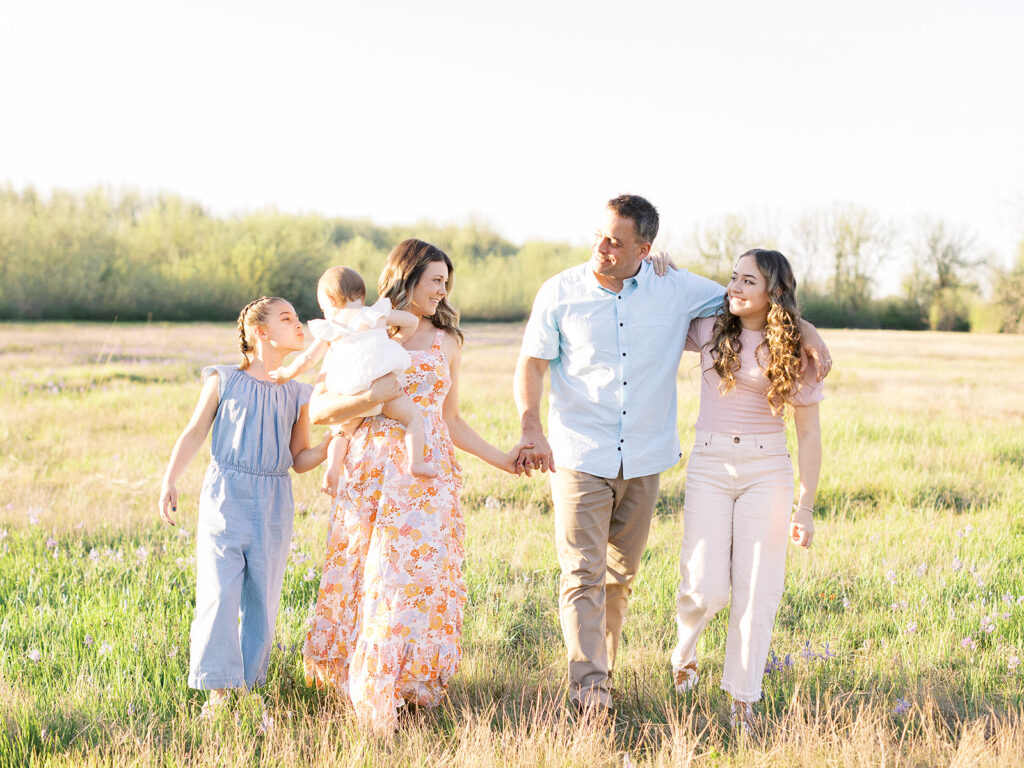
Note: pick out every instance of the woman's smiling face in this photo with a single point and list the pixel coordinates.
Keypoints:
(429, 290)
(748, 291)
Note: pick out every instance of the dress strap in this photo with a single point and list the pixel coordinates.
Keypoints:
(438, 338)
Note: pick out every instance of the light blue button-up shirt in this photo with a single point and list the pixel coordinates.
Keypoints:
(614, 358)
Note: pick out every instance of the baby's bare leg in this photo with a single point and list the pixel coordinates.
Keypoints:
(404, 410)
(336, 451)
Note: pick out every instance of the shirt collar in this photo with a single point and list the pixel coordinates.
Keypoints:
(639, 280)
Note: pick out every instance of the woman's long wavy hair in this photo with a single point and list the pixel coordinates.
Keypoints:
(402, 271)
(781, 347)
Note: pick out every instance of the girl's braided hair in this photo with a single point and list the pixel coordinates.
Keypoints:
(254, 313)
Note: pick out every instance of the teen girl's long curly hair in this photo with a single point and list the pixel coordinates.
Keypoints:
(402, 271)
(779, 353)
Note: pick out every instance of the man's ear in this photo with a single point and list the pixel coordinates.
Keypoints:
(645, 250)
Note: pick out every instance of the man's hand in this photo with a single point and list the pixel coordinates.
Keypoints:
(813, 349)
(538, 457)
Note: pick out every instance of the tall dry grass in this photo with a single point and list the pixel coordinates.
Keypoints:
(898, 642)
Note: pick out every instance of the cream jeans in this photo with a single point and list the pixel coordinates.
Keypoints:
(739, 493)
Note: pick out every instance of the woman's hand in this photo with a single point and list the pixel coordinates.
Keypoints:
(512, 462)
(168, 498)
(661, 262)
(801, 527)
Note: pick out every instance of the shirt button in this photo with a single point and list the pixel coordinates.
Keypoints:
(735, 439)
(623, 354)
(618, 449)
(620, 325)
(623, 383)
(621, 440)
(623, 413)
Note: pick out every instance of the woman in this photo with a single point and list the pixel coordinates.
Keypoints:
(388, 617)
(739, 479)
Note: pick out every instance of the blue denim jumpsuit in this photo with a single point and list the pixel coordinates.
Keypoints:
(244, 530)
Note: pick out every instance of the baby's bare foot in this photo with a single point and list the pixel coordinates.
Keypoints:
(422, 469)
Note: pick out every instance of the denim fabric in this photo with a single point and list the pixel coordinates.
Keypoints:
(244, 530)
(241, 551)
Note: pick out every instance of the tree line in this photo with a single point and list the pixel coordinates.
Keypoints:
(97, 256)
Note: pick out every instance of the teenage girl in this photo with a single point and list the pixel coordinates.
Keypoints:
(354, 341)
(739, 479)
(260, 431)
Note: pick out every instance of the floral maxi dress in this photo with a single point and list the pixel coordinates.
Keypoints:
(388, 616)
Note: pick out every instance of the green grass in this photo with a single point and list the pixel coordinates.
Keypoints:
(913, 592)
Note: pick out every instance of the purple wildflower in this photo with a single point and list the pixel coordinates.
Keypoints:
(902, 705)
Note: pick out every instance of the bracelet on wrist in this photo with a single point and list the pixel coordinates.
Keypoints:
(803, 506)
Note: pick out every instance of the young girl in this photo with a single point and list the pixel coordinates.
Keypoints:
(358, 350)
(246, 507)
(739, 479)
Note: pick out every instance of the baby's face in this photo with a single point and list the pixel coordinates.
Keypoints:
(326, 305)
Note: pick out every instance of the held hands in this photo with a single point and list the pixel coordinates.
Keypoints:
(511, 460)
(661, 262)
(535, 453)
(801, 527)
(168, 498)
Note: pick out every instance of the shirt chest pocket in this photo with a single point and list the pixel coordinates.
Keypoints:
(652, 335)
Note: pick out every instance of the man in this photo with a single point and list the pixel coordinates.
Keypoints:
(611, 332)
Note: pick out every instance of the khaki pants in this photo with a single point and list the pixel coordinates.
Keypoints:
(739, 492)
(601, 527)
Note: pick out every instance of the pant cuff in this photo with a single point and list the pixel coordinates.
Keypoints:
(746, 698)
(205, 683)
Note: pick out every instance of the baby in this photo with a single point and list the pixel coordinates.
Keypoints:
(353, 341)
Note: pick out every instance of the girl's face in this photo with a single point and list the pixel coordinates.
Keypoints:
(748, 291)
(282, 328)
(431, 288)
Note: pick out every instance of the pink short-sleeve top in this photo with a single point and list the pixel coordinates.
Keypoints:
(744, 409)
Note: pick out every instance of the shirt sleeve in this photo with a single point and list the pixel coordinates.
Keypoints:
(224, 372)
(699, 333)
(810, 391)
(541, 338)
(703, 296)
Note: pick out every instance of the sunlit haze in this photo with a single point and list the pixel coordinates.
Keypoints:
(526, 115)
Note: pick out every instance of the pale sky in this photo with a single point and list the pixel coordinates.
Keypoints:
(528, 114)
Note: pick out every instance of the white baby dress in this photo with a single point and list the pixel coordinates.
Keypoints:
(360, 350)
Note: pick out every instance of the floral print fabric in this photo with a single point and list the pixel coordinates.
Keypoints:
(388, 617)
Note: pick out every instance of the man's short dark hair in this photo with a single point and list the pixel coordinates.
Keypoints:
(643, 215)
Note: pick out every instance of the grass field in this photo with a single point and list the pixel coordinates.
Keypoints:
(899, 640)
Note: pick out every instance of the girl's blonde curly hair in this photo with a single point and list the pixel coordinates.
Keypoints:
(779, 353)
